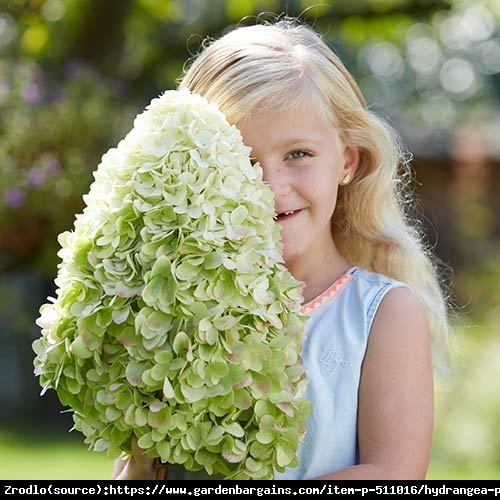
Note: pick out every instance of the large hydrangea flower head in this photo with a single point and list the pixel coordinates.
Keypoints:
(175, 317)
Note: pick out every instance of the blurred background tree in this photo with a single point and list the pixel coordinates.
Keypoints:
(74, 73)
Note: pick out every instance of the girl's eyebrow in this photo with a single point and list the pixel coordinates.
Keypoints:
(297, 140)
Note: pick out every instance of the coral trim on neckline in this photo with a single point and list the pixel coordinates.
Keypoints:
(333, 290)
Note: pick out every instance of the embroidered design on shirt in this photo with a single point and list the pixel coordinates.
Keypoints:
(330, 360)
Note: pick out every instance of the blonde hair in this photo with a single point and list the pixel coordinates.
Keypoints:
(273, 66)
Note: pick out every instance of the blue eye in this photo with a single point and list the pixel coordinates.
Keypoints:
(298, 154)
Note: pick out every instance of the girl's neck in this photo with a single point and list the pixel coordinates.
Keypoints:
(318, 269)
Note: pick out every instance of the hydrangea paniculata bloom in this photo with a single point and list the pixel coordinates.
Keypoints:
(175, 317)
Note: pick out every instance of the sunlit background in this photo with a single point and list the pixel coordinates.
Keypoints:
(74, 73)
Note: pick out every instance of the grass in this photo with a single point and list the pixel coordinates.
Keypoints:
(27, 456)
(439, 471)
(31, 457)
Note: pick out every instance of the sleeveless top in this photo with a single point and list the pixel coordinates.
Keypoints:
(333, 351)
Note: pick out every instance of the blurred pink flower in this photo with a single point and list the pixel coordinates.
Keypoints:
(14, 197)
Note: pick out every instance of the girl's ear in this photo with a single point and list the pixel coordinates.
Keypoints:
(351, 161)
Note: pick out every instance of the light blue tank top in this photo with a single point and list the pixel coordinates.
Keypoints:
(334, 348)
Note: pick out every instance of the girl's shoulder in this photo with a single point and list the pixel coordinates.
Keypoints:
(392, 298)
(398, 320)
(395, 297)
(370, 289)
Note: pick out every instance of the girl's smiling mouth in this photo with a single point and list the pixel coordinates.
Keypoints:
(286, 215)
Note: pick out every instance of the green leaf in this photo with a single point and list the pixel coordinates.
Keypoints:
(235, 429)
(141, 417)
(238, 215)
(129, 337)
(213, 260)
(194, 438)
(101, 445)
(286, 408)
(130, 415)
(153, 290)
(215, 436)
(186, 271)
(159, 372)
(112, 414)
(163, 357)
(79, 349)
(283, 456)
(191, 394)
(265, 437)
(211, 336)
(134, 372)
(232, 452)
(73, 386)
(181, 343)
(225, 322)
(168, 390)
(253, 465)
(161, 267)
(204, 457)
(262, 384)
(261, 452)
(164, 450)
(263, 407)
(155, 420)
(146, 441)
(157, 435)
(217, 370)
(120, 315)
(148, 379)
(242, 399)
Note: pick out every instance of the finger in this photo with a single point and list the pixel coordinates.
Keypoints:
(137, 465)
(140, 457)
(126, 473)
(134, 470)
(120, 464)
(160, 470)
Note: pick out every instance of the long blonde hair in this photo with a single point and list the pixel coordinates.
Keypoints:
(271, 66)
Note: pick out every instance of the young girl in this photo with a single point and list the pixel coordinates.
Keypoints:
(371, 292)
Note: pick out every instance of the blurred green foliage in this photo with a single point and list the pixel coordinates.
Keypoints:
(469, 410)
(46, 153)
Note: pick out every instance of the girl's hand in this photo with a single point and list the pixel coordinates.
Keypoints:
(139, 466)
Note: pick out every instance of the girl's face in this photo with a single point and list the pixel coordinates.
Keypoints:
(304, 160)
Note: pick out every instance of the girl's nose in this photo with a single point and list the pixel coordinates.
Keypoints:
(275, 176)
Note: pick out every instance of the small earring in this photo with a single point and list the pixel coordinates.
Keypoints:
(346, 179)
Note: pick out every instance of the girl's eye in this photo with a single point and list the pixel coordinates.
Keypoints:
(298, 154)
